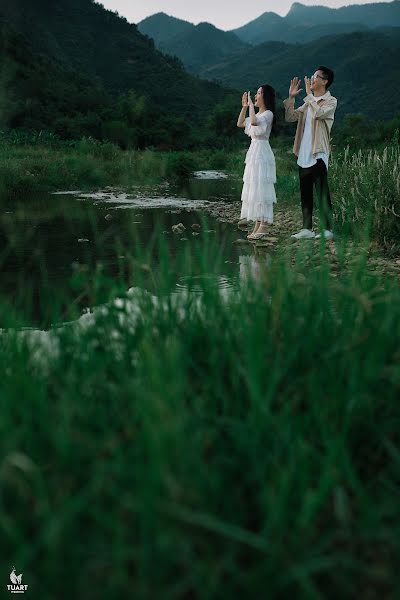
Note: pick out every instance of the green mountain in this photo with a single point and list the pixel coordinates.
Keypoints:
(203, 46)
(307, 23)
(377, 14)
(73, 61)
(364, 65)
(197, 46)
(163, 28)
(270, 28)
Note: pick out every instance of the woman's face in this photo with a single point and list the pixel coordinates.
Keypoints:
(259, 101)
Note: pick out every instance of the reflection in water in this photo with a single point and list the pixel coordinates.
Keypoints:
(65, 250)
(254, 266)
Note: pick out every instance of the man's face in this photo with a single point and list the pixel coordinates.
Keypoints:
(318, 82)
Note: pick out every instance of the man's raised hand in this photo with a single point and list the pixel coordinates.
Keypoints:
(294, 88)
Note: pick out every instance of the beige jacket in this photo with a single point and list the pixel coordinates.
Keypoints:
(323, 112)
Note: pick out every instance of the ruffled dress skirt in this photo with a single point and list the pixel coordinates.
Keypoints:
(258, 194)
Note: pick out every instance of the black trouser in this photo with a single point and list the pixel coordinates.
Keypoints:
(316, 175)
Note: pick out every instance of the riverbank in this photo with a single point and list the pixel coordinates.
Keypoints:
(365, 185)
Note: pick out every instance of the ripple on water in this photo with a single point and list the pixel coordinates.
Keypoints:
(195, 284)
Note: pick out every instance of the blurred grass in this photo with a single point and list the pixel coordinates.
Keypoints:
(245, 447)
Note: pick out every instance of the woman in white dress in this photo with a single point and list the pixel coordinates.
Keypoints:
(258, 194)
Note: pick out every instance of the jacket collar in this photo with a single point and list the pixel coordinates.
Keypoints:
(326, 96)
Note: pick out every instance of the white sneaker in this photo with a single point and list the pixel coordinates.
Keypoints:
(328, 235)
(304, 234)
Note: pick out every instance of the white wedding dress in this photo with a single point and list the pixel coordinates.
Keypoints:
(258, 194)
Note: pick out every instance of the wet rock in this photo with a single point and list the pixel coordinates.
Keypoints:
(83, 240)
(108, 217)
(196, 227)
(179, 228)
(195, 233)
(183, 239)
(240, 241)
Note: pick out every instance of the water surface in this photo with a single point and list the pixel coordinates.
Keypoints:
(68, 247)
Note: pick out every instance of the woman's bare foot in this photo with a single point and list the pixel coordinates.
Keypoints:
(255, 230)
(262, 231)
(263, 227)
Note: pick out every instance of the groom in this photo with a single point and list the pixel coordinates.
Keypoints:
(312, 146)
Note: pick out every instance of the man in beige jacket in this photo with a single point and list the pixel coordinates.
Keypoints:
(312, 146)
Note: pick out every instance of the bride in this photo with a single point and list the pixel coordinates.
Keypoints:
(258, 193)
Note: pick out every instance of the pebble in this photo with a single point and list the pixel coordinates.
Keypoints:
(179, 228)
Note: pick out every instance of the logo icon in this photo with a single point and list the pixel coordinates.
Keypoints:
(17, 586)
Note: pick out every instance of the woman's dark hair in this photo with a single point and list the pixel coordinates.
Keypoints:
(270, 102)
(328, 74)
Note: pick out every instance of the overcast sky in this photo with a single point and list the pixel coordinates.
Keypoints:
(221, 13)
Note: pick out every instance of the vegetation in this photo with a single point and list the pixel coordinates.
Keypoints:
(62, 77)
(351, 56)
(268, 453)
(197, 46)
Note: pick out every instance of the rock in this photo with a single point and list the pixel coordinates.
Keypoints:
(196, 227)
(240, 241)
(83, 240)
(195, 233)
(179, 228)
(183, 239)
(108, 217)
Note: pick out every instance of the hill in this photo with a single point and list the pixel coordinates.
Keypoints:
(358, 83)
(202, 46)
(80, 41)
(306, 23)
(197, 46)
(163, 28)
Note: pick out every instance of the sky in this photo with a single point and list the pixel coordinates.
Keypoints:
(225, 14)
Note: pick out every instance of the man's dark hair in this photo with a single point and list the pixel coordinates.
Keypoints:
(328, 74)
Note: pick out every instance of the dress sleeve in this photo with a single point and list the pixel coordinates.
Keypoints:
(263, 122)
(247, 126)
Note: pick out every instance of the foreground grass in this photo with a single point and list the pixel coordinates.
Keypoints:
(241, 448)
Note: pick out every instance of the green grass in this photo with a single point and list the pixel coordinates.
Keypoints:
(365, 185)
(245, 448)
